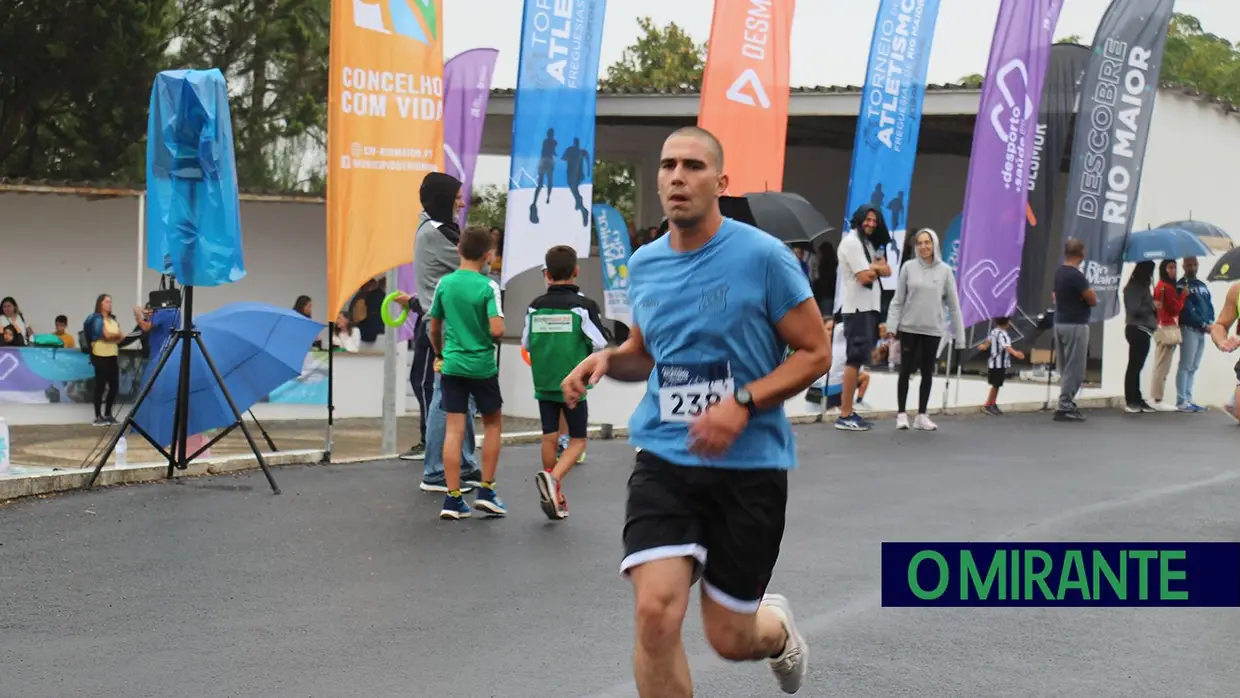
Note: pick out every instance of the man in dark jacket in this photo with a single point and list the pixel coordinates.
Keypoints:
(434, 257)
(1195, 321)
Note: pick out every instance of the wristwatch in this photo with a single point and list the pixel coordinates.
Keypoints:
(745, 399)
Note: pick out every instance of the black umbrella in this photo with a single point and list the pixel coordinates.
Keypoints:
(785, 215)
(1227, 268)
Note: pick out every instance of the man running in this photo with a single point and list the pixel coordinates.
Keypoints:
(1229, 315)
(716, 304)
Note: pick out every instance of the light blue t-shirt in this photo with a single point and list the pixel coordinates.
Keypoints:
(708, 318)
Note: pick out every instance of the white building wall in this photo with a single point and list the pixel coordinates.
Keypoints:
(1189, 169)
(58, 252)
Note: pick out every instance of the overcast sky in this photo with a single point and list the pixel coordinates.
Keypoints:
(830, 38)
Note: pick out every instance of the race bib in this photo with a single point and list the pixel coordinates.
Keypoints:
(685, 391)
(552, 324)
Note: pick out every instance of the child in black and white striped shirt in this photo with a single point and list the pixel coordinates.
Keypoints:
(1001, 352)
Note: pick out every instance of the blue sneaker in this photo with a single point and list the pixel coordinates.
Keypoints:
(455, 508)
(853, 422)
(488, 501)
(1198, 408)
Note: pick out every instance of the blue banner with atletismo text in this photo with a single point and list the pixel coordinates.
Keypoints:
(614, 250)
(550, 186)
(890, 118)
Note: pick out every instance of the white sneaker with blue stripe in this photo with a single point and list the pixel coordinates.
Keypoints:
(852, 422)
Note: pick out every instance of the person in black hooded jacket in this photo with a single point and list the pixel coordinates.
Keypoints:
(435, 256)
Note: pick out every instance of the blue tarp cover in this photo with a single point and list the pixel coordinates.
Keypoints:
(193, 218)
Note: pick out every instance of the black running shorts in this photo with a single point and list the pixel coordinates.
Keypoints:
(577, 418)
(730, 521)
(456, 391)
(996, 377)
(860, 337)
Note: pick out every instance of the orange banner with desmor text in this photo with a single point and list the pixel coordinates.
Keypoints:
(384, 133)
(745, 90)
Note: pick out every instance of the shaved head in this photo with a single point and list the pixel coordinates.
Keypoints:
(691, 179)
(712, 143)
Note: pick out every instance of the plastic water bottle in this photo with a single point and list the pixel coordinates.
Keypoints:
(5, 462)
(122, 450)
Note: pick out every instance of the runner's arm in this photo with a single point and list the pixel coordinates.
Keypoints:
(434, 330)
(1090, 296)
(434, 333)
(801, 329)
(495, 312)
(594, 329)
(630, 362)
(1218, 331)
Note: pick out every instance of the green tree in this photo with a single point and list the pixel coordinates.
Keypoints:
(1072, 39)
(275, 56)
(1200, 60)
(489, 207)
(662, 58)
(75, 81)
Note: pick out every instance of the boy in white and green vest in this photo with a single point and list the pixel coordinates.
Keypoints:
(562, 327)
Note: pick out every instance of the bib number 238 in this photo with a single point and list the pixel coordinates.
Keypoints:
(686, 399)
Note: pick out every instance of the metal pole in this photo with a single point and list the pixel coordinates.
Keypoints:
(389, 379)
(959, 364)
(327, 447)
(948, 373)
(141, 243)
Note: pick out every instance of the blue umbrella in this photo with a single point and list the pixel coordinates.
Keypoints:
(1213, 236)
(1162, 243)
(256, 347)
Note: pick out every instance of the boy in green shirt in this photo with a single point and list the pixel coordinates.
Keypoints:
(562, 327)
(466, 319)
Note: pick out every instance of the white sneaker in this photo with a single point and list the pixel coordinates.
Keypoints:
(792, 664)
(902, 421)
(862, 406)
(923, 423)
(1163, 407)
(1231, 408)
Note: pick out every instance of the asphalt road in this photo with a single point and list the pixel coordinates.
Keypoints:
(349, 585)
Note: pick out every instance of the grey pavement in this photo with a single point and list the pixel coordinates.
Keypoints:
(348, 584)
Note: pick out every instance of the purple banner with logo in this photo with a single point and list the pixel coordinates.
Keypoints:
(467, 88)
(992, 231)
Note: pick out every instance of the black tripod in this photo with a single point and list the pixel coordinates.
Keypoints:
(188, 337)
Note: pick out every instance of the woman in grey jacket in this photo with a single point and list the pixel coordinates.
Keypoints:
(925, 288)
(1140, 322)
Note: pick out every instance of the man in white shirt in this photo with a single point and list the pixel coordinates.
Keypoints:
(861, 301)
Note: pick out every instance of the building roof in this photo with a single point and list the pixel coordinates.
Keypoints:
(131, 189)
(968, 86)
(686, 91)
(104, 190)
